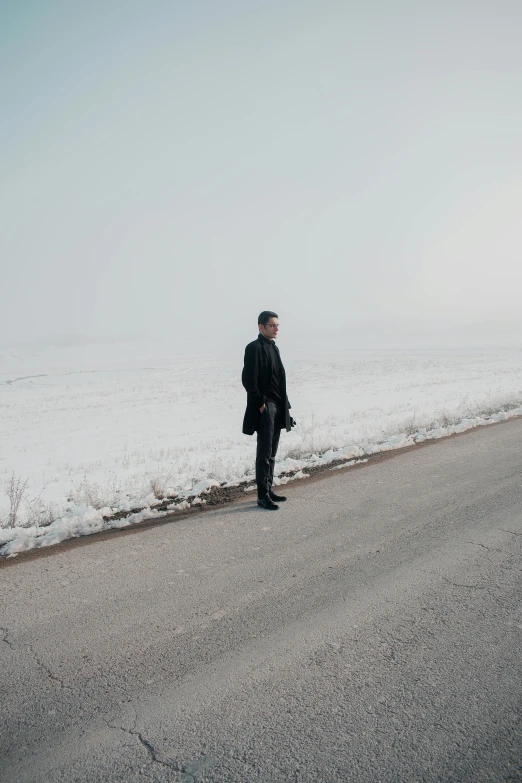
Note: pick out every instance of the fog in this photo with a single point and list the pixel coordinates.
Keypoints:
(170, 169)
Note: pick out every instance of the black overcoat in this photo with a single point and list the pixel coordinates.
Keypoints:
(257, 373)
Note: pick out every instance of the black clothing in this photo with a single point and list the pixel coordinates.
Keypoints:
(265, 382)
(267, 443)
(267, 502)
(258, 372)
(274, 392)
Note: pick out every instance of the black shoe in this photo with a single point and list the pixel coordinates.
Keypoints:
(266, 502)
(277, 498)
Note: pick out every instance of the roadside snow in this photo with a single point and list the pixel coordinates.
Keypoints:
(101, 438)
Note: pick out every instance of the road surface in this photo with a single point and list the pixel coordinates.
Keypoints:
(370, 630)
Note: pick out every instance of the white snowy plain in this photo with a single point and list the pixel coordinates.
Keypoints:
(92, 430)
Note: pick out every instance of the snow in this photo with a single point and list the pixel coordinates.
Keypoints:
(202, 486)
(98, 430)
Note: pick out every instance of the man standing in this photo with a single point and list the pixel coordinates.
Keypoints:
(267, 410)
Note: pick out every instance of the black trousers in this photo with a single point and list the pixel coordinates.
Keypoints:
(267, 442)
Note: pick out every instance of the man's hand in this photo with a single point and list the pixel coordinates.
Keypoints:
(262, 408)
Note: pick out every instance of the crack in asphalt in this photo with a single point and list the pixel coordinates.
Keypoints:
(471, 587)
(149, 747)
(185, 770)
(5, 639)
(47, 670)
(40, 663)
(510, 531)
(489, 548)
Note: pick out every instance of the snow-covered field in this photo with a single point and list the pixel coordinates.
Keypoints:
(91, 430)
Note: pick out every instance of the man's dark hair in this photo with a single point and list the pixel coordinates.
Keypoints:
(265, 316)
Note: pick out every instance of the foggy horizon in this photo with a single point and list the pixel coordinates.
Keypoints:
(473, 335)
(171, 172)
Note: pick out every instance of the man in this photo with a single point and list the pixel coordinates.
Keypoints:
(267, 410)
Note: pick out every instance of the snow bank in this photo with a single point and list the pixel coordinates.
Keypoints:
(84, 521)
(112, 439)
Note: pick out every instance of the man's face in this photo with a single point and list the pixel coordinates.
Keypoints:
(270, 329)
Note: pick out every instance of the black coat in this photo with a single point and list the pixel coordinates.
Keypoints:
(257, 373)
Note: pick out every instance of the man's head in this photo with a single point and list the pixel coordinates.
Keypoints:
(268, 323)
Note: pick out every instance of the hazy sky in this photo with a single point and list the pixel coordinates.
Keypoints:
(172, 168)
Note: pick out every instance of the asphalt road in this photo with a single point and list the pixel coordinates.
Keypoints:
(370, 630)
